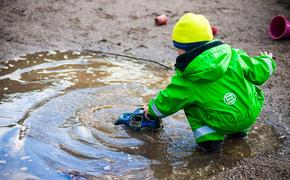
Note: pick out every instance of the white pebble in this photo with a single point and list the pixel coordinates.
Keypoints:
(51, 52)
(67, 78)
(24, 169)
(2, 161)
(134, 147)
(23, 128)
(89, 70)
(76, 52)
(282, 137)
(6, 88)
(20, 58)
(65, 57)
(107, 168)
(25, 157)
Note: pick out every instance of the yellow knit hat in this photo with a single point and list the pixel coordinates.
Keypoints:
(192, 28)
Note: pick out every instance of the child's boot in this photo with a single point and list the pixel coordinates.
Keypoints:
(210, 146)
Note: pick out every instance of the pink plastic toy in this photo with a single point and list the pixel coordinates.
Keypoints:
(279, 28)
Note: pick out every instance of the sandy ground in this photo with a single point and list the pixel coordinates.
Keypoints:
(127, 27)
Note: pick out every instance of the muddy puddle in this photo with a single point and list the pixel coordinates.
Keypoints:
(56, 120)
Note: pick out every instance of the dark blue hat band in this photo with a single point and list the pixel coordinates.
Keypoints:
(188, 46)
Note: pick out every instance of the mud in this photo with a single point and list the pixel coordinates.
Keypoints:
(35, 26)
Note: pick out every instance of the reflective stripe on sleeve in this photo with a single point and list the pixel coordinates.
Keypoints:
(269, 63)
(204, 130)
(156, 111)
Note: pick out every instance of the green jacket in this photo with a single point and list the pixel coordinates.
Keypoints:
(214, 82)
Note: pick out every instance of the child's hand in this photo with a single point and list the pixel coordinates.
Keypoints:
(146, 112)
(267, 53)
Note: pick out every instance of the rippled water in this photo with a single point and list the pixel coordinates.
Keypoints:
(56, 121)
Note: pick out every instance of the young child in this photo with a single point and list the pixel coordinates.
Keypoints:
(215, 84)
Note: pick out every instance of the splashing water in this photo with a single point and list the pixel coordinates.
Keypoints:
(56, 120)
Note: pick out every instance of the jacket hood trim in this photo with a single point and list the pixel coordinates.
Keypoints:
(185, 59)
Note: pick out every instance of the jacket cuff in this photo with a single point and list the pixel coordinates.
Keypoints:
(153, 109)
(270, 63)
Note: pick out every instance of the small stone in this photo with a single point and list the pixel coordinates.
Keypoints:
(107, 168)
(23, 128)
(282, 137)
(90, 70)
(2, 161)
(222, 168)
(51, 52)
(24, 169)
(76, 52)
(25, 157)
(6, 88)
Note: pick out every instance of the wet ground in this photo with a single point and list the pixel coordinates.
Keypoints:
(58, 106)
(57, 114)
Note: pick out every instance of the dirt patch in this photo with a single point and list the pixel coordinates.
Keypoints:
(29, 26)
(260, 167)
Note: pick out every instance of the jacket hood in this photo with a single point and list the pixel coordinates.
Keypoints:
(206, 63)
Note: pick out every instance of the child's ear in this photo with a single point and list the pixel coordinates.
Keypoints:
(180, 51)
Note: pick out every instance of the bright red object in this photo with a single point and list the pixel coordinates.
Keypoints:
(214, 30)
